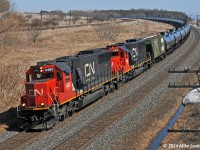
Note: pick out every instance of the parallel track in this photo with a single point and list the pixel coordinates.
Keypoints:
(86, 135)
(18, 140)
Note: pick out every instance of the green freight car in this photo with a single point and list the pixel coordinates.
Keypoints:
(155, 46)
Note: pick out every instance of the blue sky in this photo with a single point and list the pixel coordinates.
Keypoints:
(188, 6)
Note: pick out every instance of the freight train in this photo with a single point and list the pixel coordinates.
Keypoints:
(56, 89)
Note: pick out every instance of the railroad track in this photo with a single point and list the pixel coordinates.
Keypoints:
(87, 134)
(18, 140)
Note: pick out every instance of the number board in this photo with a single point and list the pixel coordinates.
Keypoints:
(48, 69)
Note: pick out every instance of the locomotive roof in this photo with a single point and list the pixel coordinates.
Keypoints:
(150, 37)
(116, 44)
(121, 47)
(134, 40)
(48, 62)
(125, 49)
(92, 51)
(61, 65)
(82, 54)
(87, 55)
(63, 58)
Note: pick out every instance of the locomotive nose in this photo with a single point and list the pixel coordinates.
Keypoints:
(39, 94)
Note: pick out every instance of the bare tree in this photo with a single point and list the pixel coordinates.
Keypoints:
(9, 21)
(10, 78)
(9, 74)
(36, 23)
(34, 35)
(4, 6)
(35, 31)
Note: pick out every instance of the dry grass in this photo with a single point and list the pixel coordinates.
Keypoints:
(60, 42)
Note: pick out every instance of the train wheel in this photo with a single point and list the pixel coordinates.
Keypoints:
(112, 87)
(70, 111)
(62, 117)
(126, 78)
(116, 86)
(106, 89)
(164, 55)
(149, 65)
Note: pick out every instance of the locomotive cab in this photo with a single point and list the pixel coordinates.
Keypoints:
(42, 85)
(44, 88)
(119, 59)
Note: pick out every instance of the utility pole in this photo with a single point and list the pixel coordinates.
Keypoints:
(87, 18)
(70, 14)
(41, 15)
(190, 19)
(197, 20)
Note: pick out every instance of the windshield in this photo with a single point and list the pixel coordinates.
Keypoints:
(40, 76)
(114, 54)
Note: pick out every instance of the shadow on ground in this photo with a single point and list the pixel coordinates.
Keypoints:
(8, 120)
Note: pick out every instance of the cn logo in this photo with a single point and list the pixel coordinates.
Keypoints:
(38, 92)
(89, 69)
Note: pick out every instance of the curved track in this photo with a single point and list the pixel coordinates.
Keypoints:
(86, 135)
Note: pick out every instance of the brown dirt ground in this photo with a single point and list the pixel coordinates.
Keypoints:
(67, 41)
(189, 119)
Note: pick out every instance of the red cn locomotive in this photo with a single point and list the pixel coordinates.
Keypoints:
(55, 89)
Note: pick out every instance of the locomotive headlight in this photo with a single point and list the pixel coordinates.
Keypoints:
(42, 104)
(23, 104)
(41, 69)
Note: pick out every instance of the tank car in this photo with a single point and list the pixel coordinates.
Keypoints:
(169, 41)
(187, 29)
(177, 36)
(183, 33)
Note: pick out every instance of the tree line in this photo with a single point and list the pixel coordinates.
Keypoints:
(103, 15)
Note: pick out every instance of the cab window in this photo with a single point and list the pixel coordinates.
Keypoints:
(59, 76)
(41, 76)
(122, 54)
(114, 54)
